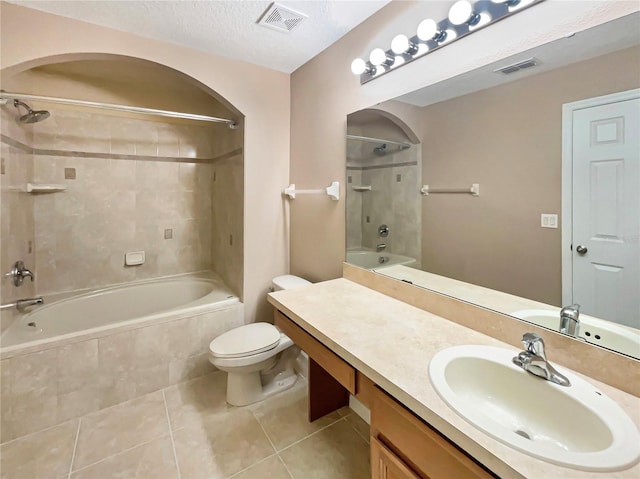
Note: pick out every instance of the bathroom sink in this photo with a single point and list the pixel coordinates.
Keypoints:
(575, 426)
(593, 330)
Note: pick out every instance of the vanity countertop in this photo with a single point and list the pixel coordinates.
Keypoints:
(392, 343)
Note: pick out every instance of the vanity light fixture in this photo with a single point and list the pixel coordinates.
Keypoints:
(462, 12)
(428, 30)
(464, 17)
(379, 57)
(401, 44)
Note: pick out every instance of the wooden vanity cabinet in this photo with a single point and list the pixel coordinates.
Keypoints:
(404, 447)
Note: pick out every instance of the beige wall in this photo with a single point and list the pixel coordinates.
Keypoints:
(324, 91)
(266, 146)
(508, 139)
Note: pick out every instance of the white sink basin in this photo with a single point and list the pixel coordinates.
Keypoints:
(575, 426)
(593, 330)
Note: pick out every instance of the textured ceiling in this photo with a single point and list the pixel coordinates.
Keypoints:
(224, 27)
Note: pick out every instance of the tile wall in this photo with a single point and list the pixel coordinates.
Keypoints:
(394, 200)
(17, 223)
(131, 185)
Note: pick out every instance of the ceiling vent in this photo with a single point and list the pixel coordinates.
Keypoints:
(521, 65)
(281, 18)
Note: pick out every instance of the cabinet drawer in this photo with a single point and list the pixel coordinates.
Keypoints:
(386, 465)
(341, 371)
(422, 448)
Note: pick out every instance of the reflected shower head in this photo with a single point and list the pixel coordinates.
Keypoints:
(31, 116)
(380, 150)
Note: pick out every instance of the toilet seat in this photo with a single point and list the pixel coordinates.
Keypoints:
(246, 340)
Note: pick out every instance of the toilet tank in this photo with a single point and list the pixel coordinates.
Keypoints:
(288, 281)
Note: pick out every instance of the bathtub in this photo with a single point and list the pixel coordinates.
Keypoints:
(120, 307)
(377, 260)
(79, 354)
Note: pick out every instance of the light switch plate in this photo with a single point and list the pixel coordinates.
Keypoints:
(548, 220)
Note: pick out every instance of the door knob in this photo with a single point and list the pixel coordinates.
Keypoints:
(581, 250)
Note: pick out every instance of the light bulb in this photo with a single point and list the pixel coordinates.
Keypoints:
(358, 66)
(378, 56)
(427, 29)
(462, 12)
(400, 44)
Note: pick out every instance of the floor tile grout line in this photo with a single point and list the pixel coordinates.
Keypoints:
(285, 465)
(356, 429)
(312, 434)
(173, 444)
(272, 445)
(75, 446)
(264, 431)
(121, 452)
(37, 432)
(252, 465)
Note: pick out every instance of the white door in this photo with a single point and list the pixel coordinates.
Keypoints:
(606, 211)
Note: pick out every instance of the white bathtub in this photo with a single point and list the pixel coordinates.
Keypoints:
(122, 307)
(377, 260)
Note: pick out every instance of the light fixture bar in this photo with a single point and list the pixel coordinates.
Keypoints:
(465, 17)
(110, 106)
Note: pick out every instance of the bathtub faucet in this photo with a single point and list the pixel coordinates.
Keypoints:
(19, 273)
(22, 304)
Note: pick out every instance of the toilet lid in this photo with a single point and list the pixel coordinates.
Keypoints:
(246, 340)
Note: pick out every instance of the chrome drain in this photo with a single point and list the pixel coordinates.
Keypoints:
(31, 324)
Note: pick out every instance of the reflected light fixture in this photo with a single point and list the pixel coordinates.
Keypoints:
(464, 18)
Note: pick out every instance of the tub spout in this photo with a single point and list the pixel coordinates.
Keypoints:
(22, 304)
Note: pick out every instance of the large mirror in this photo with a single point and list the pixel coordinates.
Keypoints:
(515, 186)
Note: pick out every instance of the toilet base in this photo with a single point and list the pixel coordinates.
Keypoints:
(245, 389)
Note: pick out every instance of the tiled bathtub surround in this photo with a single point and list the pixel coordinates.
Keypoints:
(49, 387)
(114, 203)
(115, 206)
(394, 200)
(17, 225)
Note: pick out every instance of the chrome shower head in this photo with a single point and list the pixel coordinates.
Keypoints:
(380, 150)
(31, 116)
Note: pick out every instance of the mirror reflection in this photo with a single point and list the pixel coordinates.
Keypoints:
(515, 186)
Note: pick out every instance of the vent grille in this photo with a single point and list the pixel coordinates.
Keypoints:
(521, 65)
(281, 18)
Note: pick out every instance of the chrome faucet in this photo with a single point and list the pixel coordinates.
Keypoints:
(534, 361)
(569, 320)
(380, 246)
(19, 273)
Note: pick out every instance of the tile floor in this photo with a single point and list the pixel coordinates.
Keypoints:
(188, 431)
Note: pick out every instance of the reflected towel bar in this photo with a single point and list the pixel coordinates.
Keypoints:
(474, 190)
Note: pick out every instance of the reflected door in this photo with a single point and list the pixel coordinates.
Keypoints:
(606, 211)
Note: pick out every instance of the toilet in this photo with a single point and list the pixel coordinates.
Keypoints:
(258, 358)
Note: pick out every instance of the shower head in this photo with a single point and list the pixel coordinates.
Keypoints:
(380, 150)
(31, 116)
